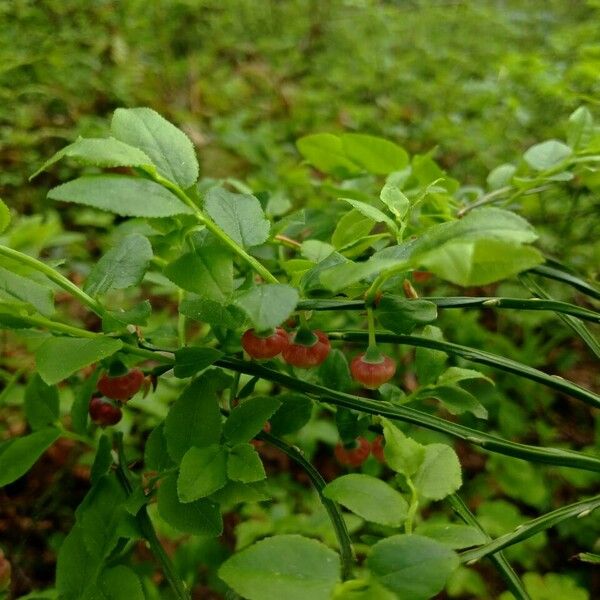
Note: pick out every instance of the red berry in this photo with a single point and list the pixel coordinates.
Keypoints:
(264, 347)
(372, 374)
(121, 387)
(353, 457)
(305, 357)
(103, 412)
(377, 448)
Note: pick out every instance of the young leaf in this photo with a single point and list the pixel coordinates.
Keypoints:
(244, 464)
(369, 498)
(547, 155)
(375, 155)
(121, 267)
(372, 213)
(27, 290)
(18, 455)
(59, 357)
(248, 418)
(455, 399)
(201, 517)
(293, 414)
(284, 566)
(402, 453)
(99, 152)
(169, 148)
(326, 152)
(395, 200)
(439, 474)
(122, 195)
(192, 360)
(351, 227)
(41, 403)
(240, 216)
(401, 315)
(195, 418)
(412, 566)
(580, 128)
(202, 472)
(268, 305)
(207, 272)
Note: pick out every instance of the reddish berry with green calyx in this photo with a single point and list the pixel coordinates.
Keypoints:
(377, 448)
(353, 456)
(263, 347)
(306, 349)
(103, 412)
(121, 387)
(372, 369)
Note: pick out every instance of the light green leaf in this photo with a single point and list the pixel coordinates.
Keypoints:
(41, 403)
(99, 152)
(248, 418)
(372, 213)
(202, 472)
(121, 267)
(59, 357)
(580, 128)
(284, 566)
(439, 474)
(4, 216)
(326, 152)
(453, 535)
(402, 453)
(122, 195)
(207, 272)
(201, 517)
(501, 176)
(395, 200)
(375, 155)
(455, 399)
(351, 227)
(27, 290)
(316, 250)
(18, 455)
(192, 360)
(551, 586)
(268, 305)
(369, 498)
(240, 216)
(402, 315)
(169, 148)
(412, 566)
(342, 276)
(244, 464)
(547, 155)
(454, 375)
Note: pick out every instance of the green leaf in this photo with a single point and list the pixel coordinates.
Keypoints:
(27, 290)
(439, 474)
(372, 213)
(169, 148)
(192, 360)
(453, 535)
(59, 357)
(580, 128)
(120, 583)
(326, 152)
(501, 176)
(268, 305)
(375, 155)
(212, 312)
(18, 455)
(457, 374)
(76, 567)
(293, 414)
(429, 364)
(201, 517)
(248, 418)
(351, 227)
(121, 267)
(244, 464)
(99, 152)
(240, 216)
(455, 399)
(202, 472)
(41, 403)
(122, 195)
(236, 492)
(4, 216)
(103, 459)
(79, 408)
(547, 155)
(115, 320)
(156, 455)
(334, 372)
(402, 453)
(395, 200)
(284, 566)
(402, 315)
(195, 418)
(551, 586)
(207, 272)
(369, 498)
(412, 566)
(316, 250)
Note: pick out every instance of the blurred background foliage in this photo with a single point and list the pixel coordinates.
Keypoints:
(477, 82)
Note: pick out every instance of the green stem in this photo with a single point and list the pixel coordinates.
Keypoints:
(498, 559)
(54, 276)
(579, 509)
(337, 520)
(564, 277)
(412, 509)
(147, 529)
(371, 325)
(481, 357)
(215, 229)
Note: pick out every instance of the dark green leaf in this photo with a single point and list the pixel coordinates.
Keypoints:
(293, 414)
(334, 372)
(248, 418)
(212, 312)
(401, 315)
(244, 464)
(41, 403)
(120, 583)
(156, 455)
(103, 459)
(192, 360)
(202, 472)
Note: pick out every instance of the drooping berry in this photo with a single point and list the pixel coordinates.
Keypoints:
(354, 456)
(103, 412)
(307, 353)
(263, 347)
(372, 373)
(121, 387)
(377, 448)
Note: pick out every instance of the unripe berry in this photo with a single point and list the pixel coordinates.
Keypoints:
(307, 356)
(353, 457)
(121, 387)
(260, 347)
(372, 374)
